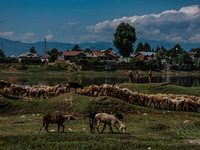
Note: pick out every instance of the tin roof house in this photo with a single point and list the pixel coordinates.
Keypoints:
(29, 58)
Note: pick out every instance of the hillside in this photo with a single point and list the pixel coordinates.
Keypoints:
(146, 128)
(16, 47)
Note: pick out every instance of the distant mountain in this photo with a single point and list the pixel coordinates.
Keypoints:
(16, 47)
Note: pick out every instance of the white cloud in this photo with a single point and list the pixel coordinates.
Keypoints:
(171, 25)
(6, 34)
(69, 25)
(49, 37)
(27, 37)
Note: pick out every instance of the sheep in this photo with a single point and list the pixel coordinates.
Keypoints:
(191, 105)
(60, 90)
(4, 84)
(74, 85)
(14, 89)
(176, 104)
(6, 91)
(59, 119)
(107, 119)
(67, 88)
(93, 89)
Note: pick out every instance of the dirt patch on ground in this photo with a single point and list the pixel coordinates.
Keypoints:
(196, 142)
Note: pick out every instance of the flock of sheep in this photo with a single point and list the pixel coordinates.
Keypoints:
(37, 92)
(160, 101)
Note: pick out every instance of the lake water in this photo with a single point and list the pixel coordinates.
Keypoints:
(187, 81)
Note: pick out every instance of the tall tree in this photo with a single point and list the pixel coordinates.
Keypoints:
(125, 36)
(87, 50)
(146, 47)
(2, 53)
(76, 48)
(185, 58)
(139, 47)
(175, 51)
(53, 53)
(32, 50)
(157, 49)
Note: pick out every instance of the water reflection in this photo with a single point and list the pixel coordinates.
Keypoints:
(189, 81)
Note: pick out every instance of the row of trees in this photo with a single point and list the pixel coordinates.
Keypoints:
(125, 37)
(4, 59)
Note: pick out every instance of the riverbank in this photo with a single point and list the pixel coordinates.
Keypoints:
(62, 70)
(94, 73)
(146, 128)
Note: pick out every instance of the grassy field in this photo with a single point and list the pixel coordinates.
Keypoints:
(147, 128)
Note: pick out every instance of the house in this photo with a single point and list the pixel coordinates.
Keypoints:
(104, 55)
(73, 54)
(145, 56)
(123, 59)
(194, 54)
(29, 58)
(45, 58)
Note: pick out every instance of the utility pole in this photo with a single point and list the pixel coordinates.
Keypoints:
(1, 45)
(45, 50)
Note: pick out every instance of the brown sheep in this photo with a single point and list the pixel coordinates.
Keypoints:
(189, 104)
(93, 89)
(4, 84)
(14, 89)
(107, 119)
(58, 119)
(60, 90)
(6, 91)
(176, 104)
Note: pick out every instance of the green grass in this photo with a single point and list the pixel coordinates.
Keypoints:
(147, 128)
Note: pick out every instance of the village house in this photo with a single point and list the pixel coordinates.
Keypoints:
(194, 54)
(45, 58)
(73, 54)
(29, 58)
(145, 56)
(104, 55)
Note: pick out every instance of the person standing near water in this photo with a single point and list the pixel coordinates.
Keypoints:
(150, 74)
(130, 76)
(137, 77)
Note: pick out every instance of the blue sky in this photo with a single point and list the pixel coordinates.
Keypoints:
(76, 21)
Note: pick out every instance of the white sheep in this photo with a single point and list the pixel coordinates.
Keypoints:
(108, 119)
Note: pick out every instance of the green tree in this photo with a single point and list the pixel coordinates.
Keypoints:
(53, 53)
(146, 47)
(185, 58)
(2, 53)
(175, 51)
(87, 50)
(157, 49)
(125, 36)
(139, 48)
(76, 48)
(32, 50)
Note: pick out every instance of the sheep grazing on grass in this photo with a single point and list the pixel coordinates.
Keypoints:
(107, 119)
(59, 119)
